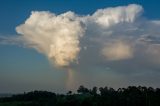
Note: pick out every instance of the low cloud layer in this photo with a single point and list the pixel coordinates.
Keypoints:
(115, 34)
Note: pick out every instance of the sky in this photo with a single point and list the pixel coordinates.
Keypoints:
(58, 45)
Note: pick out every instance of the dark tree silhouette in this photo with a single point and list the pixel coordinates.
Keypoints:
(130, 96)
(82, 90)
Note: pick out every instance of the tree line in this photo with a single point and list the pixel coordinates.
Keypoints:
(103, 96)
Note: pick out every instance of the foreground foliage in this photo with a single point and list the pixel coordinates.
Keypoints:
(131, 96)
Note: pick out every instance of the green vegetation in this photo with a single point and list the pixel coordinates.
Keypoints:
(131, 96)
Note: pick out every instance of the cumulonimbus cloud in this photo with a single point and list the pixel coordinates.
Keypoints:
(57, 37)
(115, 33)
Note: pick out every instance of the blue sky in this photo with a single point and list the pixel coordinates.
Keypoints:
(15, 12)
(24, 69)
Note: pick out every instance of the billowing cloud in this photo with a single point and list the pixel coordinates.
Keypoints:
(111, 16)
(57, 37)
